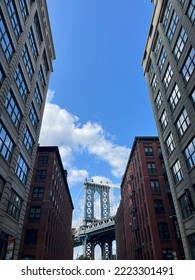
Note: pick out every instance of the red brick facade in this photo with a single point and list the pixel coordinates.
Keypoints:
(47, 232)
(149, 231)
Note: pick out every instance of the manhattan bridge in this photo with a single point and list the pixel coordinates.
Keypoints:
(96, 231)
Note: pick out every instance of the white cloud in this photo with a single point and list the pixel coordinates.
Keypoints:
(61, 128)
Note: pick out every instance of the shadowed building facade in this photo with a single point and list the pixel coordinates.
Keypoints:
(47, 230)
(27, 53)
(169, 63)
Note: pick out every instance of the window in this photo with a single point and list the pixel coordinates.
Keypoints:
(163, 231)
(191, 10)
(13, 109)
(155, 187)
(21, 169)
(2, 184)
(6, 144)
(2, 75)
(35, 213)
(154, 83)
(180, 44)
(177, 172)
(40, 175)
(5, 40)
(38, 28)
(170, 144)
(14, 205)
(172, 27)
(191, 241)
(31, 237)
(41, 77)
(43, 160)
(151, 69)
(33, 116)
(164, 120)
(162, 59)
(158, 100)
(28, 140)
(157, 45)
(166, 14)
(167, 77)
(189, 153)
(168, 254)
(182, 123)
(159, 207)
(185, 202)
(38, 193)
(174, 97)
(21, 83)
(148, 151)
(193, 97)
(14, 17)
(182, 2)
(23, 8)
(27, 62)
(32, 43)
(45, 62)
(189, 65)
(151, 168)
(37, 95)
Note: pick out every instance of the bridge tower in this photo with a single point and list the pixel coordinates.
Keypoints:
(104, 241)
(90, 189)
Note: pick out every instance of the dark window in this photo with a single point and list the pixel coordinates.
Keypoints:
(35, 213)
(158, 100)
(31, 237)
(37, 95)
(148, 151)
(186, 205)
(38, 193)
(163, 231)
(45, 62)
(2, 184)
(33, 116)
(14, 205)
(27, 62)
(159, 207)
(151, 168)
(166, 14)
(43, 160)
(38, 28)
(155, 186)
(191, 241)
(168, 77)
(32, 43)
(193, 97)
(164, 120)
(41, 77)
(40, 175)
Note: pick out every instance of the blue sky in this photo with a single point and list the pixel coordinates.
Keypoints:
(97, 98)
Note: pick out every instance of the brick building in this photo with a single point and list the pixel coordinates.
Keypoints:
(27, 54)
(146, 209)
(47, 230)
